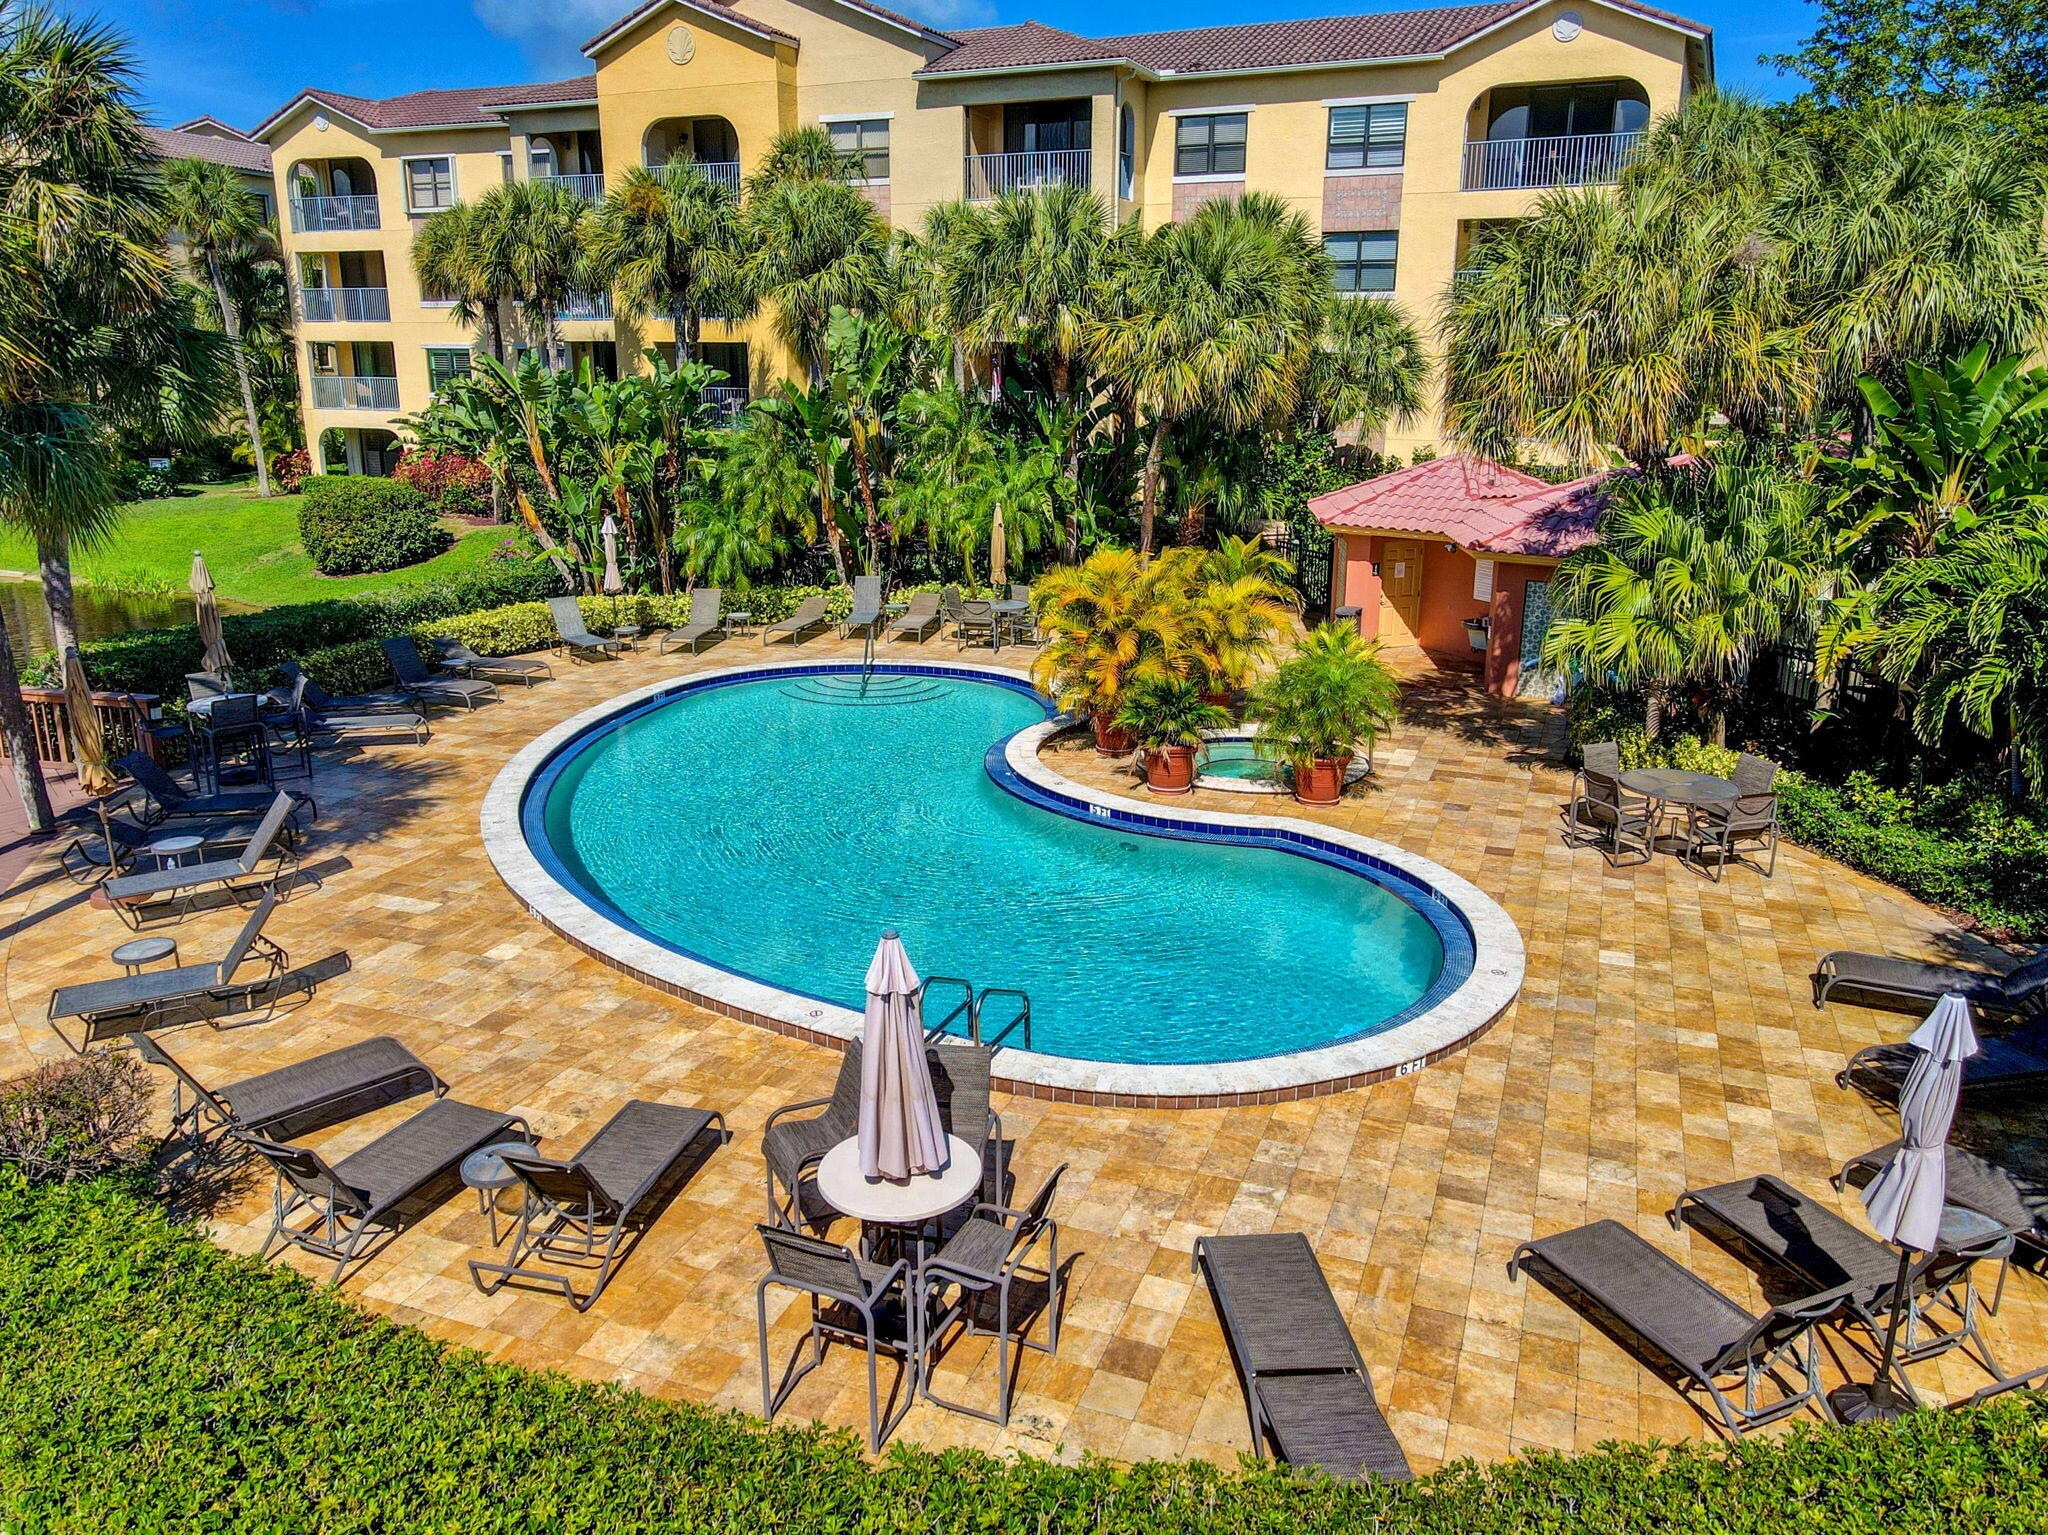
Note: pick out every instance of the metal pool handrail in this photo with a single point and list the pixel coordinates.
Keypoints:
(972, 1004)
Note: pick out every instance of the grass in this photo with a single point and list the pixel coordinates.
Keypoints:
(251, 547)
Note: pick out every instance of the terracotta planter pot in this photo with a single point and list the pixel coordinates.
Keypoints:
(1112, 740)
(1322, 781)
(1170, 769)
(1220, 700)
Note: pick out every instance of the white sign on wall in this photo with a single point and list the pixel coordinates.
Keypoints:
(1482, 580)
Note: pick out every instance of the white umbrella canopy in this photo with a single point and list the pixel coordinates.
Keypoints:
(1906, 1198)
(613, 581)
(216, 657)
(901, 1134)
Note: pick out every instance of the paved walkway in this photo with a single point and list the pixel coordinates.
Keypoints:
(1664, 1038)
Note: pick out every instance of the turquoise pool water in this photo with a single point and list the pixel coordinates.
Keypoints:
(1228, 758)
(776, 827)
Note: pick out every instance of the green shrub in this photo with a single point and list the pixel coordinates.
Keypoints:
(507, 631)
(360, 666)
(352, 524)
(76, 1118)
(155, 1382)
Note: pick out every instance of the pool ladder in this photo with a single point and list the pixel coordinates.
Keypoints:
(974, 1004)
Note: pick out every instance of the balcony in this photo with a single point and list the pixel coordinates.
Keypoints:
(322, 305)
(589, 188)
(354, 391)
(318, 215)
(990, 176)
(1576, 160)
(727, 403)
(585, 306)
(725, 172)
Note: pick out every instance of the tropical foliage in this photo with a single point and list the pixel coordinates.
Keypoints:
(1332, 696)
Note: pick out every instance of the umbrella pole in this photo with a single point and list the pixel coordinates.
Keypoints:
(1901, 1298)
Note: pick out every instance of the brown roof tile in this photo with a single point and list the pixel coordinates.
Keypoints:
(241, 154)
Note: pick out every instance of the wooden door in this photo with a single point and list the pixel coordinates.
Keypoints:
(1401, 581)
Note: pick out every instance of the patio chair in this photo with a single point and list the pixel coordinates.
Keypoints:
(576, 640)
(971, 621)
(2004, 1064)
(961, 1074)
(1307, 1392)
(990, 1254)
(810, 614)
(1749, 822)
(875, 1312)
(705, 621)
(1023, 626)
(295, 1100)
(319, 701)
(1808, 1248)
(792, 1146)
(578, 1211)
(200, 685)
(1693, 1336)
(919, 618)
(112, 849)
(404, 1171)
(1914, 986)
(1988, 1177)
(458, 657)
(166, 800)
(419, 682)
(311, 712)
(232, 728)
(134, 895)
(121, 1003)
(867, 606)
(1604, 815)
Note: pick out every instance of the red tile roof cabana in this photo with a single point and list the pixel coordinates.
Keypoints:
(1455, 555)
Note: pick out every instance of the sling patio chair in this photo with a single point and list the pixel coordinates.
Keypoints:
(971, 621)
(2001, 1180)
(1914, 986)
(792, 1146)
(167, 800)
(119, 841)
(1726, 829)
(579, 1211)
(458, 657)
(295, 1100)
(136, 896)
(313, 711)
(809, 615)
(989, 1256)
(403, 1172)
(918, 619)
(705, 621)
(867, 606)
(2014, 1062)
(1307, 1392)
(1689, 1333)
(873, 1309)
(1603, 815)
(119, 1004)
(576, 640)
(420, 683)
(318, 700)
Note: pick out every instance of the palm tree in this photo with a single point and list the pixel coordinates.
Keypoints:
(544, 223)
(802, 154)
(218, 222)
(669, 242)
(464, 253)
(1112, 623)
(816, 245)
(1367, 368)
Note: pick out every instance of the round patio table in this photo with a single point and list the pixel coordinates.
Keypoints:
(902, 1206)
(1676, 786)
(1008, 611)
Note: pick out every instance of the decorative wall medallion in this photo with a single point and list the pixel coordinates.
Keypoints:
(320, 122)
(682, 44)
(1564, 29)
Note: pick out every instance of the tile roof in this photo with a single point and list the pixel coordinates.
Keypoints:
(177, 144)
(1262, 45)
(469, 106)
(1474, 502)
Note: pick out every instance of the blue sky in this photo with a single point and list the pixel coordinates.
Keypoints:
(240, 59)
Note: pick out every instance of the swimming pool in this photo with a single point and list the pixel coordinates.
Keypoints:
(764, 825)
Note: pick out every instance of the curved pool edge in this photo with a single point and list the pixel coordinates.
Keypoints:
(1455, 1020)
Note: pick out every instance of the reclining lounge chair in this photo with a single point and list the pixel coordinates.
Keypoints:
(410, 668)
(297, 1099)
(1913, 986)
(318, 712)
(810, 614)
(576, 639)
(704, 622)
(918, 619)
(458, 657)
(135, 896)
(165, 799)
(867, 606)
(2003, 1064)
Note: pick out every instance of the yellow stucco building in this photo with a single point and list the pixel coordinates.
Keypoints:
(1402, 135)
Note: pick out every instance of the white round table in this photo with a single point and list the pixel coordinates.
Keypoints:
(897, 1204)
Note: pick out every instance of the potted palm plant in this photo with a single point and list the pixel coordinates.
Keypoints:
(1111, 623)
(1331, 696)
(1166, 717)
(1238, 605)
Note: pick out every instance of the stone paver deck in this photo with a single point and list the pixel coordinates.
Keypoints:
(1664, 1038)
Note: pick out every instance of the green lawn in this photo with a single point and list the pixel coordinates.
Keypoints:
(251, 546)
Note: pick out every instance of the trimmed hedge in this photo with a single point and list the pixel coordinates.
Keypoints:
(354, 524)
(156, 1382)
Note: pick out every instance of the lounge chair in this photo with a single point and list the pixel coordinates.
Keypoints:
(918, 619)
(419, 682)
(1604, 815)
(1307, 1392)
(704, 622)
(135, 895)
(318, 700)
(1999, 1180)
(576, 639)
(399, 1173)
(121, 1003)
(1913, 986)
(1748, 823)
(1689, 1332)
(165, 799)
(577, 1212)
(867, 606)
(458, 657)
(312, 712)
(297, 1099)
(810, 614)
(971, 621)
(2016, 1062)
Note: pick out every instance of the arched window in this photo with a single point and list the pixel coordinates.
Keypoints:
(540, 158)
(1127, 152)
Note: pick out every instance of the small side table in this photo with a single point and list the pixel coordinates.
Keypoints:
(137, 952)
(168, 851)
(629, 633)
(739, 623)
(486, 1172)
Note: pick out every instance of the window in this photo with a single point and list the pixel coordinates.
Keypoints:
(1364, 263)
(1048, 127)
(429, 183)
(1363, 138)
(868, 140)
(324, 356)
(1209, 146)
(505, 166)
(1127, 152)
(444, 363)
(540, 159)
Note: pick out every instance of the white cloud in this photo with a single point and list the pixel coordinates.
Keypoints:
(551, 33)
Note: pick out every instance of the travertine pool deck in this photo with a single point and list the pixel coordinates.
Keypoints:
(1663, 1038)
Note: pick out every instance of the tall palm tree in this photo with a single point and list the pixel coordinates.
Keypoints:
(816, 245)
(544, 223)
(669, 242)
(218, 222)
(464, 253)
(1367, 368)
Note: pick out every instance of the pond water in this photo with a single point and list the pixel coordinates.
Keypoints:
(101, 614)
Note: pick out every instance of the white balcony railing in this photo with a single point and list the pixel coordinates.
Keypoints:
(321, 305)
(354, 391)
(314, 215)
(1576, 160)
(585, 306)
(589, 188)
(725, 172)
(990, 176)
(726, 403)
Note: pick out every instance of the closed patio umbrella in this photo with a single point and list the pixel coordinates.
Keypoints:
(88, 740)
(614, 583)
(901, 1134)
(998, 551)
(216, 658)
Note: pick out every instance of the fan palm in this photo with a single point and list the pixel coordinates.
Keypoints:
(669, 242)
(544, 223)
(464, 253)
(1367, 367)
(816, 245)
(218, 222)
